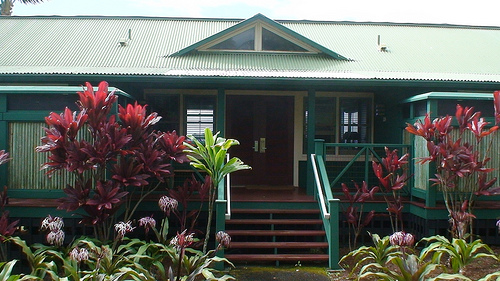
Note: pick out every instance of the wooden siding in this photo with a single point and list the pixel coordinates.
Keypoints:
(421, 180)
(24, 169)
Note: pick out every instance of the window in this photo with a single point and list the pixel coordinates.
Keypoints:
(259, 38)
(242, 41)
(200, 114)
(339, 119)
(273, 42)
(197, 113)
(167, 106)
(354, 120)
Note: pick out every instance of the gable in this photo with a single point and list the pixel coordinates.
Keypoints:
(259, 34)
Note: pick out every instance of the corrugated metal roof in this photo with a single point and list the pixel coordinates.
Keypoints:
(90, 45)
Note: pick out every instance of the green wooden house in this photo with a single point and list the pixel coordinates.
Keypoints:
(276, 86)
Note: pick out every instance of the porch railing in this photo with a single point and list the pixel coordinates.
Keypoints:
(359, 160)
(223, 206)
(329, 207)
(323, 183)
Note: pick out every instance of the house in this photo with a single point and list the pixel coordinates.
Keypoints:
(275, 85)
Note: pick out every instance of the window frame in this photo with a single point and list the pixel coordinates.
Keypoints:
(338, 96)
(258, 41)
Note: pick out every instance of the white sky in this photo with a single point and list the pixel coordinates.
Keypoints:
(477, 12)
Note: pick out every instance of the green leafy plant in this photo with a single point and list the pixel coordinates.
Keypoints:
(6, 272)
(459, 252)
(368, 257)
(410, 268)
(210, 157)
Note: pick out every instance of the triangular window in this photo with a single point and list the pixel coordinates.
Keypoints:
(242, 41)
(260, 38)
(258, 34)
(273, 42)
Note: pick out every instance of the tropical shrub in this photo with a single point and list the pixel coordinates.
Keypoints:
(116, 159)
(458, 251)
(210, 157)
(395, 258)
(7, 228)
(462, 171)
(367, 257)
(354, 212)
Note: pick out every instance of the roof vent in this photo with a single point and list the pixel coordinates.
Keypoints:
(382, 47)
(124, 41)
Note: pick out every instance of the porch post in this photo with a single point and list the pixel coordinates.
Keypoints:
(311, 133)
(4, 138)
(430, 196)
(221, 112)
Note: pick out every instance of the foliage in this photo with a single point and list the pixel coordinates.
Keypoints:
(461, 167)
(459, 252)
(7, 228)
(6, 272)
(211, 158)
(410, 268)
(116, 159)
(354, 216)
(367, 257)
(394, 258)
(392, 176)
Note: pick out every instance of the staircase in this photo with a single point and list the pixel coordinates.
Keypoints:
(276, 235)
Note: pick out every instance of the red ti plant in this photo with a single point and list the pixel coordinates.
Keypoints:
(392, 177)
(7, 228)
(354, 216)
(461, 167)
(114, 162)
(183, 194)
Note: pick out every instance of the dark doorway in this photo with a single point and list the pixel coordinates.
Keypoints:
(264, 127)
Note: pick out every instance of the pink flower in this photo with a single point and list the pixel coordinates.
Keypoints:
(402, 239)
(123, 228)
(167, 204)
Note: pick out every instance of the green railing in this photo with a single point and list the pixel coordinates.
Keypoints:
(330, 206)
(223, 208)
(360, 158)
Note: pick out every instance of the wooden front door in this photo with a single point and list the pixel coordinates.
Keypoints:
(264, 127)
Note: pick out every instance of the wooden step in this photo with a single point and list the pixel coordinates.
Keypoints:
(276, 232)
(278, 245)
(279, 257)
(275, 211)
(275, 221)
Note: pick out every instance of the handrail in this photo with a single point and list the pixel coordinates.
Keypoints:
(319, 187)
(366, 149)
(228, 193)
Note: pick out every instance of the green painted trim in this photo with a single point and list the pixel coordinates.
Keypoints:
(274, 24)
(419, 193)
(311, 133)
(449, 95)
(4, 141)
(333, 243)
(25, 115)
(36, 193)
(220, 225)
(221, 112)
(3, 102)
(53, 90)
